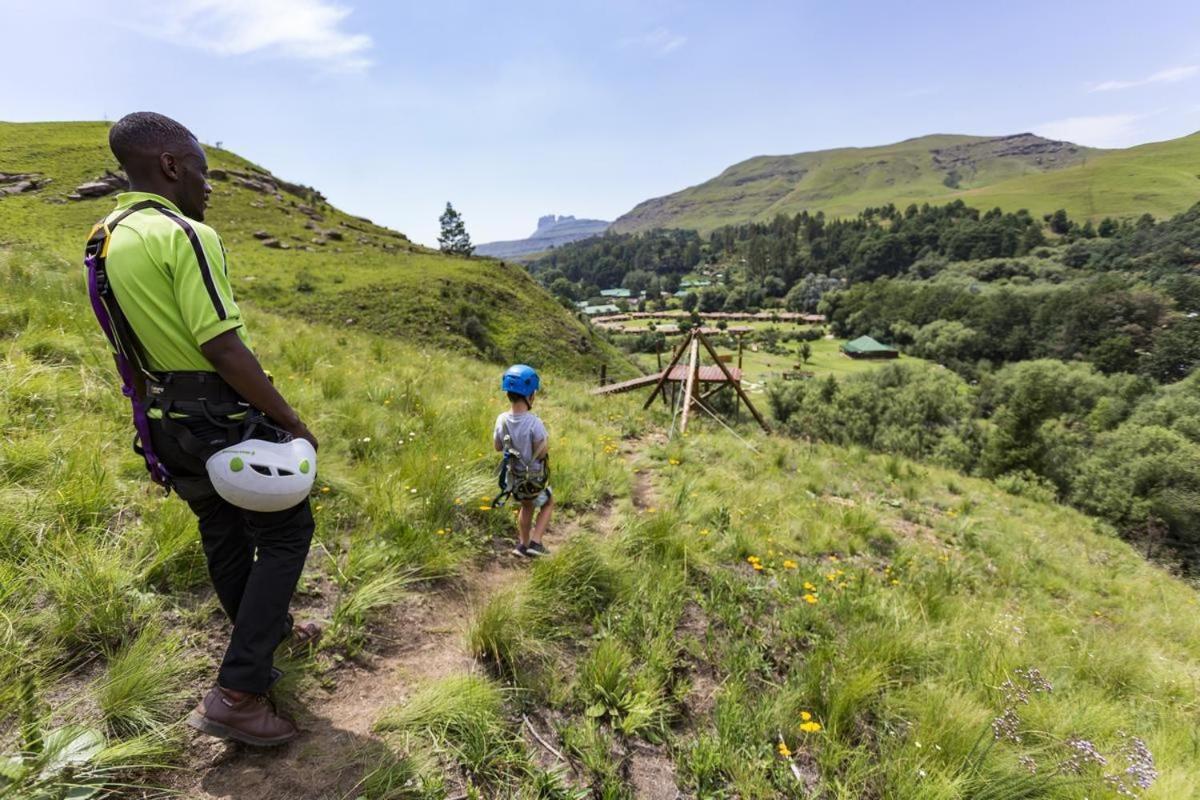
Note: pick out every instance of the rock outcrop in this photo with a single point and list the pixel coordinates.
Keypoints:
(106, 184)
(552, 231)
(266, 183)
(21, 182)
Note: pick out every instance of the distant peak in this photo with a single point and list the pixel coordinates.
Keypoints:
(550, 220)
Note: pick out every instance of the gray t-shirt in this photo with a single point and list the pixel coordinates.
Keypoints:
(526, 430)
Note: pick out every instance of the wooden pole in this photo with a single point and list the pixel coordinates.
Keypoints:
(662, 379)
(658, 352)
(604, 374)
(690, 387)
(737, 401)
(737, 385)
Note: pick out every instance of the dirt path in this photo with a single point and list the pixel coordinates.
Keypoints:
(418, 639)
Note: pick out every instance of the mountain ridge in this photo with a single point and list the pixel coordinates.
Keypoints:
(1010, 171)
(552, 231)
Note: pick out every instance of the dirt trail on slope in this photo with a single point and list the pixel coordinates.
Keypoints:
(417, 640)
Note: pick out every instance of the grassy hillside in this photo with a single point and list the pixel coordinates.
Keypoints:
(1022, 171)
(331, 267)
(796, 621)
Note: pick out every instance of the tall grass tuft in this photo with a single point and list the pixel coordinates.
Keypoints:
(145, 683)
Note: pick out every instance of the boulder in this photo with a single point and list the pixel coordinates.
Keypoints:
(334, 235)
(254, 184)
(218, 174)
(275, 244)
(261, 235)
(106, 184)
(21, 182)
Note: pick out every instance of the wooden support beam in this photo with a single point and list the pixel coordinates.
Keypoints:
(690, 386)
(737, 385)
(662, 379)
(737, 401)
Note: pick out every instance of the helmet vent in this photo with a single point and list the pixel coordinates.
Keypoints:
(261, 470)
(283, 471)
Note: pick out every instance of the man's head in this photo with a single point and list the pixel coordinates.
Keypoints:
(161, 156)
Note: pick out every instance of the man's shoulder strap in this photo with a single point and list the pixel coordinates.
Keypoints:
(105, 227)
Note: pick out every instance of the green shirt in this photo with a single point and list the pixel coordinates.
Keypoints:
(171, 280)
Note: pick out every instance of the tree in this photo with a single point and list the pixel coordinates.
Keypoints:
(1060, 223)
(690, 300)
(805, 352)
(454, 239)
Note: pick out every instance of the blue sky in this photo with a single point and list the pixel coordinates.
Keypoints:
(513, 110)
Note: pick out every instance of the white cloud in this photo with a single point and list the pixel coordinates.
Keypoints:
(1110, 130)
(310, 30)
(1172, 75)
(659, 41)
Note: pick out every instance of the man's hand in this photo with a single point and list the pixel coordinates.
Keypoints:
(302, 432)
(240, 369)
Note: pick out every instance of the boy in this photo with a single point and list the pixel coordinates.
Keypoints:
(527, 436)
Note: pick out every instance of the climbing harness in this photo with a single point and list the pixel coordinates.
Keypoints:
(520, 479)
(173, 394)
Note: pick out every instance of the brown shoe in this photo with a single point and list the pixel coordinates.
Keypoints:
(247, 718)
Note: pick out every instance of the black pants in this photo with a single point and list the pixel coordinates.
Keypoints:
(254, 558)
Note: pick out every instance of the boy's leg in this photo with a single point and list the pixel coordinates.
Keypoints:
(543, 519)
(524, 522)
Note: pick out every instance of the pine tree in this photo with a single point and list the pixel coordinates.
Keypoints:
(454, 238)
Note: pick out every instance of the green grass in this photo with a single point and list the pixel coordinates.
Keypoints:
(1161, 178)
(104, 600)
(371, 279)
(887, 601)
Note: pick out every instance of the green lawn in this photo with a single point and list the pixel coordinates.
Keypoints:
(760, 367)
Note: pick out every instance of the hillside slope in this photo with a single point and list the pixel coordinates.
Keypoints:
(793, 621)
(291, 251)
(1019, 171)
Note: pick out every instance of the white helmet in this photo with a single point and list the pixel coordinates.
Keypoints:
(264, 476)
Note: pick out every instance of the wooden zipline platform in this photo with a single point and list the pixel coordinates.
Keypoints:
(689, 378)
(678, 374)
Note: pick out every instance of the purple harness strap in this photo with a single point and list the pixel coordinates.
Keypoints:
(104, 304)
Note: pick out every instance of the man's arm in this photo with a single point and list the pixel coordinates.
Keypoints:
(240, 369)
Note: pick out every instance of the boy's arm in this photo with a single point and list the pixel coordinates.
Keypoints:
(497, 439)
(541, 449)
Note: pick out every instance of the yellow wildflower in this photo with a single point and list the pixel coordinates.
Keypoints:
(805, 716)
(809, 586)
(811, 599)
(757, 567)
(789, 564)
(783, 750)
(810, 727)
(324, 490)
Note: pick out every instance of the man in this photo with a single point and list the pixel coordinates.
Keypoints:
(204, 388)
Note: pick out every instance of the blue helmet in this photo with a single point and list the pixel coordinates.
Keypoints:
(520, 379)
